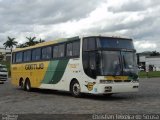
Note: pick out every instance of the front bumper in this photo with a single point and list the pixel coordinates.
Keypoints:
(115, 88)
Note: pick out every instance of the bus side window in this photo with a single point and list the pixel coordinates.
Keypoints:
(19, 57)
(86, 62)
(76, 48)
(36, 54)
(85, 43)
(55, 51)
(46, 52)
(69, 49)
(89, 44)
(27, 56)
(61, 50)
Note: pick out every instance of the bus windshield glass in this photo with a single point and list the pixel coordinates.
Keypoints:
(105, 42)
(118, 63)
(129, 62)
(110, 63)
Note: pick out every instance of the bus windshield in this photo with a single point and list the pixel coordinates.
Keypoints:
(129, 62)
(105, 42)
(110, 62)
(118, 63)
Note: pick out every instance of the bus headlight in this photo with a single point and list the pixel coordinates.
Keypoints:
(106, 81)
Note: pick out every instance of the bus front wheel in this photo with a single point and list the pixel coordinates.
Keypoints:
(75, 89)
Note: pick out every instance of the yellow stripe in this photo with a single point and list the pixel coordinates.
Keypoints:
(116, 77)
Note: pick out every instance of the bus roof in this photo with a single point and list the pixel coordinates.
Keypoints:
(60, 40)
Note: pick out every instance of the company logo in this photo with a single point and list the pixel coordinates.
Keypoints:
(90, 86)
(34, 66)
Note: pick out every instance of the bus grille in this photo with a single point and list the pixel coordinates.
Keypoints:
(117, 81)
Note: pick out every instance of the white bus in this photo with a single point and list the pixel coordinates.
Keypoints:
(92, 64)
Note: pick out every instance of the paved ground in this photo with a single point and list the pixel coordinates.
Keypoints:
(147, 100)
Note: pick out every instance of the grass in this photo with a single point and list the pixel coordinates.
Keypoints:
(151, 74)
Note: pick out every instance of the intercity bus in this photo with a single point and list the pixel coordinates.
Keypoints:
(91, 64)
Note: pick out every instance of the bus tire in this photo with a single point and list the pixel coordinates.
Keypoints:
(28, 86)
(75, 88)
(21, 84)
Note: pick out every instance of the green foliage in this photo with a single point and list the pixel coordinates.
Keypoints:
(22, 45)
(150, 74)
(40, 40)
(155, 53)
(10, 43)
(31, 41)
(1, 57)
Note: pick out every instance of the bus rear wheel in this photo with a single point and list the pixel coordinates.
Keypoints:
(75, 89)
(27, 85)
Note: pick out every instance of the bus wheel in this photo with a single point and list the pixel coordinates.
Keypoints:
(75, 89)
(21, 84)
(27, 85)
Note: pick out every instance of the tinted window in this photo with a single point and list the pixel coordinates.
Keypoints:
(61, 50)
(76, 48)
(89, 44)
(27, 55)
(86, 61)
(115, 43)
(85, 45)
(36, 54)
(55, 51)
(19, 57)
(46, 52)
(69, 49)
(58, 51)
(110, 63)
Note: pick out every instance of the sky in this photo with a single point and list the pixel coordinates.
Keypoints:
(51, 19)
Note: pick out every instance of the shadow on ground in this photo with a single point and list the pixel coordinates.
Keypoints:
(114, 97)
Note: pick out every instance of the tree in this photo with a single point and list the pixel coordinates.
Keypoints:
(10, 43)
(31, 41)
(155, 53)
(22, 45)
(1, 57)
(40, 40)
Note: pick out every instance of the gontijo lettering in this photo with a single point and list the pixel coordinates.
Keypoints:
(34, 66)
